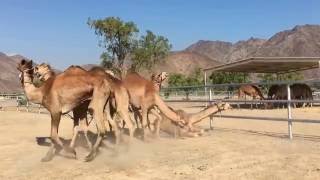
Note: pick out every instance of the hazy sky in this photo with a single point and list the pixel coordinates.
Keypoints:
(55, 31)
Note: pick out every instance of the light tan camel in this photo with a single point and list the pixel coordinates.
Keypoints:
(144, 94)
(118, 103)
(250, 90)
(64, 93)
(172, 128)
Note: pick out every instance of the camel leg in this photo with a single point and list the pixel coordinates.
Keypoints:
(75, 128)
(157, 122)
(144, 115)
(56, 142)
(96, 107)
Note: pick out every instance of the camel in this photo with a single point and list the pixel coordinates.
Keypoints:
(64, 93)
(272, 91)
(297, 91)
(144, 94)
(117, 104)
(172, 128)
(250, 90)
(158, 79)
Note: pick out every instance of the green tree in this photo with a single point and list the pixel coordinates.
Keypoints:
(149, 51)
(270, 77)
(121, 43)
(179, 80)
(117, 37)
(228, 77)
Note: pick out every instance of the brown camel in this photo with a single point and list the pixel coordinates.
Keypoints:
(250, 90)
(117, 104)
(297, 91)
(172, 128)
(144, 94)
(158, 79)
(64, 93)
(272, 91)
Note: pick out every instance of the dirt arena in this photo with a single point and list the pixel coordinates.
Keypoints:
(235, 149)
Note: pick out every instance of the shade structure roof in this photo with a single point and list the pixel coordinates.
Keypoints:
(269, 65)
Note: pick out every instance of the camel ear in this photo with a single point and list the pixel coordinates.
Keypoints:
(23, 61)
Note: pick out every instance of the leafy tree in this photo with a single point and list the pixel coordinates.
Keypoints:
(228, 77)
(150, 50)
(117, 37)
(121, 43)
(178, 80)
(270, 77)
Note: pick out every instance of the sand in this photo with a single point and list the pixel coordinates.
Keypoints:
(234, 149)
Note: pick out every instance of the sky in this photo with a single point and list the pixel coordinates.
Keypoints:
(56, 31)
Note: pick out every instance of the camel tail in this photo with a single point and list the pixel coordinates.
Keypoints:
(166, 110)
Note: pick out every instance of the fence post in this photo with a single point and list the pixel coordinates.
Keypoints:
(27, 106)
(289, 112)
(39, 109)
(211, 117)
(205, 86)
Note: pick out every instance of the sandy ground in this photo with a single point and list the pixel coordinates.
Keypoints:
(235, 149)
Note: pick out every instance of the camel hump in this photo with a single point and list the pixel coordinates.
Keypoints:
(74, 70)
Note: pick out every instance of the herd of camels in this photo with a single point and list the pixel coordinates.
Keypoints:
(114, 103)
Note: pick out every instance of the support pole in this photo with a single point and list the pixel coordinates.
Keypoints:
(205, 86)
(211, 117)
(289, 112)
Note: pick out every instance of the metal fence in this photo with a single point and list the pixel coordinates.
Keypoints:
(227, 93)
(204, 94)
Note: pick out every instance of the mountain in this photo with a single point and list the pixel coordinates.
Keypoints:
(302, 40)
(17, 58)
(211, 49)
(9, 75)
(184, 62)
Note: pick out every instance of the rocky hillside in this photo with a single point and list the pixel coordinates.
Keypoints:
(184, 62)
(9, 80)
(299, 41)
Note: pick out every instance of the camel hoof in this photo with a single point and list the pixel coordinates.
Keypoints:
(90, 156)
(70, 150)
(49, 156)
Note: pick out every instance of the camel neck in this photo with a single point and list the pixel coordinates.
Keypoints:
(33, 93)
(196, 117)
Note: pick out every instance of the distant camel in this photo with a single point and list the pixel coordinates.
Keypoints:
(297, 91)
(250, 90)
(272, 91)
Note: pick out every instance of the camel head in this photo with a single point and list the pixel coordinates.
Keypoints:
(224, 106)
(41, 70)
(24, 66)
(158, 79)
